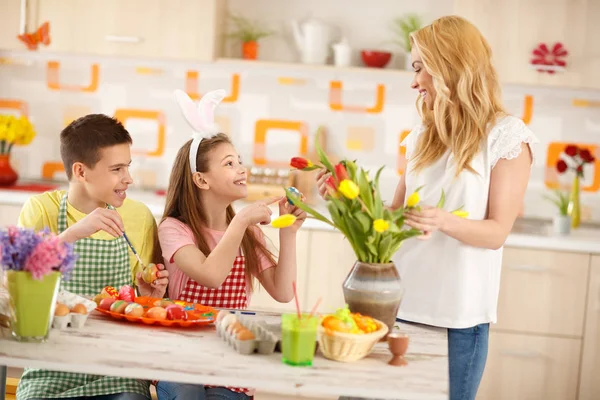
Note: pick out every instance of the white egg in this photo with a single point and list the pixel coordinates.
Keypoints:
(221, 315)
(227, 320)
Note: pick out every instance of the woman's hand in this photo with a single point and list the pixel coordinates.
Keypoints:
(322, 177)
(427, 220)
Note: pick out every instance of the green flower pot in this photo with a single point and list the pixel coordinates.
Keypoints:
(32, 304)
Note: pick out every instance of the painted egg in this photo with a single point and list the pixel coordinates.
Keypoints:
(134, 310)
(157, 313)
(106, 303)
(119, 306)
(296, 192)
(175, 312)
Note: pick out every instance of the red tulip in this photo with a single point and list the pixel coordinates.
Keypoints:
(331, 187)
(300, 163)
(586, 156)
(340, 172)
(571, 150)
(561, 166)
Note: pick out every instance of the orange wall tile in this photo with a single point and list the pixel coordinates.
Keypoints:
(192, 81)
(336, 104)
(260, 138)
(53, 79)
(11, 104)
(124, 114)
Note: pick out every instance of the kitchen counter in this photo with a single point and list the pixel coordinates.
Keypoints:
(527, 233)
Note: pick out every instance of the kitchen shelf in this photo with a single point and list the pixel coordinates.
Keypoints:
(309, 67)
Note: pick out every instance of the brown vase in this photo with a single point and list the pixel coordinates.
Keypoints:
(8, 176)
(374, 290)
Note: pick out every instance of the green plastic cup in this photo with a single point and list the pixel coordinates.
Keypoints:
(298, 339)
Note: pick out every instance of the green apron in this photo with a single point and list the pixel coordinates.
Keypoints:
(101, 263)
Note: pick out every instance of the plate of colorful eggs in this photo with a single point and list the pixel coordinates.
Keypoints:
(122, 305)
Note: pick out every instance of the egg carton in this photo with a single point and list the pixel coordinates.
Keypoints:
(264, 341)
(72, 320)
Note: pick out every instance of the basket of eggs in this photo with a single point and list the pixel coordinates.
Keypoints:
(346, 336)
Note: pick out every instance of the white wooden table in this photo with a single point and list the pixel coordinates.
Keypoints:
(106, 346)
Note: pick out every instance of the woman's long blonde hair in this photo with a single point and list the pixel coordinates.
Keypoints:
(468, 98)
(183, 203)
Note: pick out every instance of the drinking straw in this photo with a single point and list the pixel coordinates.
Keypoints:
(312, 312)
(296, 299)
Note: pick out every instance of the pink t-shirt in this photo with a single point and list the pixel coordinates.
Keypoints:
(174, 234)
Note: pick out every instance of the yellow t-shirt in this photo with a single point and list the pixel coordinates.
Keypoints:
(41, 211)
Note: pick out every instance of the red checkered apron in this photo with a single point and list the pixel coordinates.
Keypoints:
(231, 294)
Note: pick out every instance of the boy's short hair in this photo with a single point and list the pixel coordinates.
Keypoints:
(82, 140)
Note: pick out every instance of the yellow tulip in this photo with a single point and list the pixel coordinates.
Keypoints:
(413, 200)
(349, 189)
(381, 225)
(461, 213)
(284, 221)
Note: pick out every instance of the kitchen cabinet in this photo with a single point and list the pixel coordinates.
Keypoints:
(589, 388)
(530, 367)
(330, 260)
(261, 298)
(160, 29)
(543, 292)
(514, 28)
(10, 25)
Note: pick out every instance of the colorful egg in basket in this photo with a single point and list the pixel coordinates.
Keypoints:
(348, 346)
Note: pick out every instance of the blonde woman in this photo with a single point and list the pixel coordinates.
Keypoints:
(469, 147)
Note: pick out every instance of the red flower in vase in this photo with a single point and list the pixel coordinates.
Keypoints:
(552, 58)
(578, 158)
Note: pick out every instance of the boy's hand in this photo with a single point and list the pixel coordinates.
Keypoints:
(287, 208)
(101, 219)
(156, 289)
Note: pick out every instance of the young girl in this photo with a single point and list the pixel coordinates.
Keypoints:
(212, 254)
(481, 157)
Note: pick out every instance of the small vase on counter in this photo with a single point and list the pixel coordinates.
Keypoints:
(561, 224)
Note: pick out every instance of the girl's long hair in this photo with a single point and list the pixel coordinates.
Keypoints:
(183, 203)
(468, 98)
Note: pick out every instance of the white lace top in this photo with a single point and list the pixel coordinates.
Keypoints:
(448, 283)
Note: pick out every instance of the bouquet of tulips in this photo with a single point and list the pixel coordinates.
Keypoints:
(14, 130)
(374, 231)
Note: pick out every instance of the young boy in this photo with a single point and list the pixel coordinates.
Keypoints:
(93, 215)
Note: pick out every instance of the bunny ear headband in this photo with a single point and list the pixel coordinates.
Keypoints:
(200, 117)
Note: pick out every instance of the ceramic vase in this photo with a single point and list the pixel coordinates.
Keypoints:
(574, 209)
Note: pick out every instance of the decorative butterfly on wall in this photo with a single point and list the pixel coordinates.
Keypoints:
(42, 35)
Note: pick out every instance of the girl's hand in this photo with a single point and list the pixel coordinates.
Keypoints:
(287, 208)
(257, 213)
(158, 288)
(428, 219)
(321, 185)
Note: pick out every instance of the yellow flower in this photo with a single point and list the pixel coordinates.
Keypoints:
(349, 189)
(413, 200)
(283, 221)
(381, 225)
(461, 213)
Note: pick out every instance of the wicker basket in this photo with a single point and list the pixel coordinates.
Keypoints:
(347, 347)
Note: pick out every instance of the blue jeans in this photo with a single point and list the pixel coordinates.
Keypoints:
(185, 391)
(116, 396)
(467, 353)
